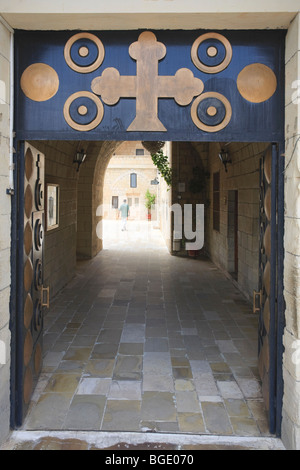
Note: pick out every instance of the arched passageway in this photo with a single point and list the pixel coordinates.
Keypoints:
(136, 339)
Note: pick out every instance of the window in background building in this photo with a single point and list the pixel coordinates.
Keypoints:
(216, 201)
(139, 151)
(115, 202)
(133, 180)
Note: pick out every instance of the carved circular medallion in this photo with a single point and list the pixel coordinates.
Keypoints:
(37, 315)
(266, 314)
(28, 274)
(211, 112)
(28, 201)
(27, 238)
(28, 346)
(267, 278)
(267, 241)
(257, 83)
(267, 204)
(39, 82)
(38, 274)
(211, 52)
(84, 52)
(39, 195)
(83, 111)
(268, 165)
(28, 164)
(38, 234)
(28, 311)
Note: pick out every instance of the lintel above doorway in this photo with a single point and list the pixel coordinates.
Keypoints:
(150, 85)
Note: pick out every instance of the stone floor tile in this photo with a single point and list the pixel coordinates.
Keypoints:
(191, 423)
(158, 406)
(187, 401)
(163, 383)
(131, 349)
(157, 345)
(216, 418)
(125, 390)
(206, 385)
(123, 415)
(159, 426)
(85, 413)
(93, 386)
(109, 336)
(49, 412)
(244, 426)
(77, 354)
(250, 387)
(237, 408)
(104, 351)
(128, 368)
(133, 333)
(63, 383)
(99, 368)
(182, 385)
(157, 363)
(229, 389)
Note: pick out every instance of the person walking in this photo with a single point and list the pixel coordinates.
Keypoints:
(124, 211)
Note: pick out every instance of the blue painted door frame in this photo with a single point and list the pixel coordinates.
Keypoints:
(223, 107)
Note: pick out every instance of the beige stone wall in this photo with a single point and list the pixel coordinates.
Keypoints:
(5, 229)
(117, 181)
(159, 14)
(291, 368)
(242, 176)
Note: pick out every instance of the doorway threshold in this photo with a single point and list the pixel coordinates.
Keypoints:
(119, 441)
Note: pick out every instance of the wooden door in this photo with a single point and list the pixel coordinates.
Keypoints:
(31, 294)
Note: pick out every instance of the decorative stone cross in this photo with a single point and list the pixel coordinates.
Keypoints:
(147, 86)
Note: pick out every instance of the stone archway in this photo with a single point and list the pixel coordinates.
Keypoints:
(90, 197)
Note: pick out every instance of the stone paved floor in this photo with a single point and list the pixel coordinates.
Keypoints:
(144, 341)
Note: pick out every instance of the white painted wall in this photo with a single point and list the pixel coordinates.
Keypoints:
(5, 227)
(160, 14)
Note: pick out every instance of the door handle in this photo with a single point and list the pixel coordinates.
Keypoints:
(45, 299)
(257, 305)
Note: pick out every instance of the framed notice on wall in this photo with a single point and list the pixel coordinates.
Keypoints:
(52, 206)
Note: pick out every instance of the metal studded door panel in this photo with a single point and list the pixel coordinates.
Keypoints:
(266, 301)
(30, 287)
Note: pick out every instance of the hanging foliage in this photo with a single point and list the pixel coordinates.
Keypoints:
(159, 159)
(162, 164)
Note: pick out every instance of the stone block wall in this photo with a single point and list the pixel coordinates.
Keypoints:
(5, 229)
(60, 242)
(242, 176)
(291, 364)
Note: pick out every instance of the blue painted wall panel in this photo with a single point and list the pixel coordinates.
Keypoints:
(249, 121)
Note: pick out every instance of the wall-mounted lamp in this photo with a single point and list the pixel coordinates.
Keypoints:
(225, 158)
(79, 158)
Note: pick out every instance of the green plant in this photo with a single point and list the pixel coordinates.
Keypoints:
(162, 164)
(149, 199)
